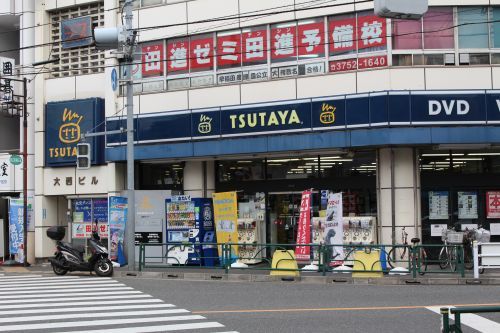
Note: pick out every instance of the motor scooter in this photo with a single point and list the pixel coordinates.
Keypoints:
(69, 258)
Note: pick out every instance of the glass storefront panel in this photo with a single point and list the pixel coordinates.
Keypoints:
(161, 176)
(242, 170)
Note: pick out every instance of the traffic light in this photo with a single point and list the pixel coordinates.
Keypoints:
(83, 160)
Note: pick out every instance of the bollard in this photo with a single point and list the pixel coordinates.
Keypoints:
(475, 253)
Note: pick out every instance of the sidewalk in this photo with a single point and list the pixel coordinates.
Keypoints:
(490, 277)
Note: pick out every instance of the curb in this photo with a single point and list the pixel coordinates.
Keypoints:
(333, 279)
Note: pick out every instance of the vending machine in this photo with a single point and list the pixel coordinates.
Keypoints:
(189, 221)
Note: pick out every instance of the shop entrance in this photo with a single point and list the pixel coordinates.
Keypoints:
(284, 215)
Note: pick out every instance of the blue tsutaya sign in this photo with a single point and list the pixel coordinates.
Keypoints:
(371, 110)
(65, 122)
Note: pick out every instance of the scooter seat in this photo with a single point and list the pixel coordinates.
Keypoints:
(80, 248)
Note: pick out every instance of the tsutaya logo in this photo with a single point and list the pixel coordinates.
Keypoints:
(459, 106)
(265, 119)
(327, 115)
(69, 132)
(205, 124)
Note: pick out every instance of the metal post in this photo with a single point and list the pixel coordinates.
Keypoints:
(445, 320)
(25, 171)
(130, 234)
(475, 254)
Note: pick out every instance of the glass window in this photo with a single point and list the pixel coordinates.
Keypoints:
(359, 164)
(472, 27)
(495, 27)
(202, 53)
(177, 55)
(151, 2)
(254, 45)
(292, 168)
(229, 49)
(434, 59)
(156, 176)
(311, 38)
(241, 170)
(495, 58)
(407, 34)
(401, 60)
(372, 32)
(153, 59)
(436, 33)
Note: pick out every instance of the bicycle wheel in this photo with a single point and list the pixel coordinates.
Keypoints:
(453, 258)
(468, 258)
(396, 256)
(422, 261)
(443, 258)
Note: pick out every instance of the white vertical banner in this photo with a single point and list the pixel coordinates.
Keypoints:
(334, 228)
(6, 173)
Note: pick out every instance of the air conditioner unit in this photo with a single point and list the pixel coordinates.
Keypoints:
(401, 9)
(449, 59)
(464, 58)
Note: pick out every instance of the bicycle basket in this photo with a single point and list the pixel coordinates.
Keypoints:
(454, 237)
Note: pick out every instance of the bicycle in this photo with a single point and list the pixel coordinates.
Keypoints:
(470, 235)
(448, 255)
(397, 254)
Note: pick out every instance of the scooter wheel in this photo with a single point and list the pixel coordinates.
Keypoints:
(58, 270)
(103, 267)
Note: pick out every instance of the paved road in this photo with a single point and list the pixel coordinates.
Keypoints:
(297, 307)
(35, 303)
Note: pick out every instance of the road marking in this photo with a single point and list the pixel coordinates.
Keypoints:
(476, 322)
(23, 306)
(19, 276)
(122, 321)
(59, 295)
(162, 328)
(54, 283)
(67, 290)
(86, 309)
(11, 278)
(97, 284)
(371, 308)
(92, 314)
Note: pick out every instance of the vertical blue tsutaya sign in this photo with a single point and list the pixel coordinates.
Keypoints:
(65, 122)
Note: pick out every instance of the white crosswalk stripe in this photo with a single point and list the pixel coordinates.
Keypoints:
(474, 321)
(36, 303)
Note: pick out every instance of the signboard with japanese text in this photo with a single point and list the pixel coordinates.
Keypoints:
(6, 173)
(372, 62)
(343, 65)
(100, 210)
(202, 53)
(229, 51)
(284, 42)
(177, 55)
(16, 228)
(342, 34)
(76, 32)
(302, 252)
(84, 230)
(334, 228)
(65, 122)
(152, 59)
(83, 207)
(438, 205)
(493, 204)
(7, 87)
(226, 219)
(372, 32)
(311, 39)
(148, 238)
(254, 46)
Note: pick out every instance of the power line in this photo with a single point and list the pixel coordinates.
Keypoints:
(193, 22)
(271, 49)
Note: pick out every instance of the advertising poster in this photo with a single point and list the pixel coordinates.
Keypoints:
(303, 253)
(438, 205)
(493, 205)
(16, 228)
(226, 219)
(117, 222)
(467, 205)
(5, 173)
(334, 228)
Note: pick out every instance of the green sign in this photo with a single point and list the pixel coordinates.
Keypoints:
(15, 159)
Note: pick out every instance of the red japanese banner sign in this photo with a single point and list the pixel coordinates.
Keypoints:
(178, 54)
(283, 42)
(202, 53)
(303, 253)
(343, 34)
(152, 59)
(254, 46)
(229, 50)
(493, 205)
(311, 39)
(372, 31)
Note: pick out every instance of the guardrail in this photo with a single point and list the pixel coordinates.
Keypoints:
(447, 327)
(322, 257)
(485, 256)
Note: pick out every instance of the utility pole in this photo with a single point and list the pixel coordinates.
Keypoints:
(112, 39)
(130, 226)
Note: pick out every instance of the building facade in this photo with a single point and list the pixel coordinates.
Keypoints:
(270, 98)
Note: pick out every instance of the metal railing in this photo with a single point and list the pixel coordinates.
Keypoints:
(257, 257)
(447, 327)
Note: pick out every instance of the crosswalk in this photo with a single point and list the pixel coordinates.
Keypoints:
(37, 303)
